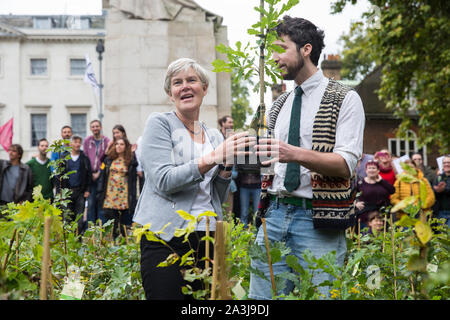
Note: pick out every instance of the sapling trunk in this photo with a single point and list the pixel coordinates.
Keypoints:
(393, 257)
(45, 259)
(269, 259)
(207, 250)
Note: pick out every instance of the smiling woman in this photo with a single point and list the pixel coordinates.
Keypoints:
(186, 165)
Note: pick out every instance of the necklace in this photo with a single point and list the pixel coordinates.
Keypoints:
(191, 131)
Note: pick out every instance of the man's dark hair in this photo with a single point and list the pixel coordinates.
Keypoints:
(40, 140)
(302, 31)
(95, 120)
(18, 148)
(222, 120)
(66, 126)
(75, 137)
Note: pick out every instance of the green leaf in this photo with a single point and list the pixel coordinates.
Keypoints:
(186, 216)
(423, 232)
(404, 203)
(406, 221)
(416, 263)
(187, 259)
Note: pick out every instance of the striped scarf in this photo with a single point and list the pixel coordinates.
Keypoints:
(332, 196)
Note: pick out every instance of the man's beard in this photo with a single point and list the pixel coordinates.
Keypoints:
(292, 71)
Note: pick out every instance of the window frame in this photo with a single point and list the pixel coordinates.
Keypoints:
(407, 149)
(31, 128)
(38, 76)
(69, 67)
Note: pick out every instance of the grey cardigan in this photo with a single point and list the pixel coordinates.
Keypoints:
(171, 174)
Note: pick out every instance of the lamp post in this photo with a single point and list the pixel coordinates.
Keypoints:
(100, 48)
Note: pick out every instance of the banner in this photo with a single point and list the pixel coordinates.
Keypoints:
(6, 134)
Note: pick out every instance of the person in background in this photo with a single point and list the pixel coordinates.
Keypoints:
(66, 134)
(16, 178)
(41, 170)
(116, 193)
(140, 170)
(361, 166)
(249, 178)
(118, 131)
(429, 173)
(387, 171)
(404, 189)
(78, 182)
(441, 187)
(94, 147)
(226, 125)
(374, 221)
(372, 190)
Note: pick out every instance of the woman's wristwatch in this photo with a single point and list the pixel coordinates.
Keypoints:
(223, 168)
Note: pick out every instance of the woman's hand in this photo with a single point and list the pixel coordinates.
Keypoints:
(224, 154)
(233, 146)
(359, 205)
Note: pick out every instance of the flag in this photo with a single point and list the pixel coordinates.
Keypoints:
(6, 134)
(89, 76)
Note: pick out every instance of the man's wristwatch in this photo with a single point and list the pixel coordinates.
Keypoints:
(223, 168)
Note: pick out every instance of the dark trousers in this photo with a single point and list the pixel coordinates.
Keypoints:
(76, 207)
(119, 217)
(165, 283)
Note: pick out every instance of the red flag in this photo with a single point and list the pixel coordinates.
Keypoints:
(6, 134)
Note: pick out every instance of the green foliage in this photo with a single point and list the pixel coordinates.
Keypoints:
(412, 44)
(242, 58)
(240, 107)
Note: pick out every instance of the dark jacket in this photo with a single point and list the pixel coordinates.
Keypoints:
(132, 183)
(443, 198)
(85, 173)
(24, 185)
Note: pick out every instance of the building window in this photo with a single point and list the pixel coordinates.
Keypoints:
(38, 67)
(38, 128)
(42, 23)
(77, 67)
(409, 146)
(78, 123)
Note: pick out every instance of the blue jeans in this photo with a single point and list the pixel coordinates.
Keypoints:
(444, 214)
(94, 211)
(245, 195)
(293, 225)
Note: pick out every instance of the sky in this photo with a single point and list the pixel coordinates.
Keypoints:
(238, 16)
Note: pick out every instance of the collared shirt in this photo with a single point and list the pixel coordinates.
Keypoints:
(349, 131)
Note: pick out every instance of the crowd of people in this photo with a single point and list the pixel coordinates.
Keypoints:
(104, 176)
(379, 185)
(188, 166)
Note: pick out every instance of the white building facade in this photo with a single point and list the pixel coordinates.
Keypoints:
(41, 78)
(42, 65)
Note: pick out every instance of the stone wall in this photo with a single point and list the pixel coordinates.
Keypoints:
(137, 53)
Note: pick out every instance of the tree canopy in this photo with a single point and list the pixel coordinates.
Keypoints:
(410, 39)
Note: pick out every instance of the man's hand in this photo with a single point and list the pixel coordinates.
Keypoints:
(326, 163)
(277, 150)
(95, 175)
(440, 187)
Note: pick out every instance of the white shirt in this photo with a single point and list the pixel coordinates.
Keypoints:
(349, 131)
(202, 201)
